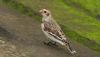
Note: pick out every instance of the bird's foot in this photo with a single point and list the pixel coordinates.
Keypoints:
(47, 43)
(50, 43)
(54, 43)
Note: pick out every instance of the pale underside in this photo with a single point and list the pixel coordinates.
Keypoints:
(52, 30)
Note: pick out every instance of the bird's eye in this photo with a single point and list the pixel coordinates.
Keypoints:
(45, 12)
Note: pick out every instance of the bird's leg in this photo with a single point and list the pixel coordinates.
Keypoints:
(50, 43)
(54, 43)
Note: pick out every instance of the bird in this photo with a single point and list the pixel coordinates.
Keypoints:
(53, 31)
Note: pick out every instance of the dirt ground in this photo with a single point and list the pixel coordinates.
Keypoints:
(21, 36)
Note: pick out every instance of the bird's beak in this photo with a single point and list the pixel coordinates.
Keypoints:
(40, 11)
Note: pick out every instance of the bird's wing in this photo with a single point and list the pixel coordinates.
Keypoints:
(53, 29)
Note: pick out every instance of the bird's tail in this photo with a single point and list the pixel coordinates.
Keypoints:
(72, 51)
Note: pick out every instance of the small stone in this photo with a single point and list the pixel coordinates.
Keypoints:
(13, 47)
(23, 54)
(1, 41)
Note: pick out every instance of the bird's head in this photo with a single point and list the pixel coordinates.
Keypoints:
(45, 13)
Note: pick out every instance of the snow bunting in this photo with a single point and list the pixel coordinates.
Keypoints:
(53, 31)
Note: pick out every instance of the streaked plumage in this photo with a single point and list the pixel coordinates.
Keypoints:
(52, 30)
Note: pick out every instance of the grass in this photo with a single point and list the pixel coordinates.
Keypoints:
(90, 7)
(79, 20)
(81, 39)
(79, 24)
(21, 8)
